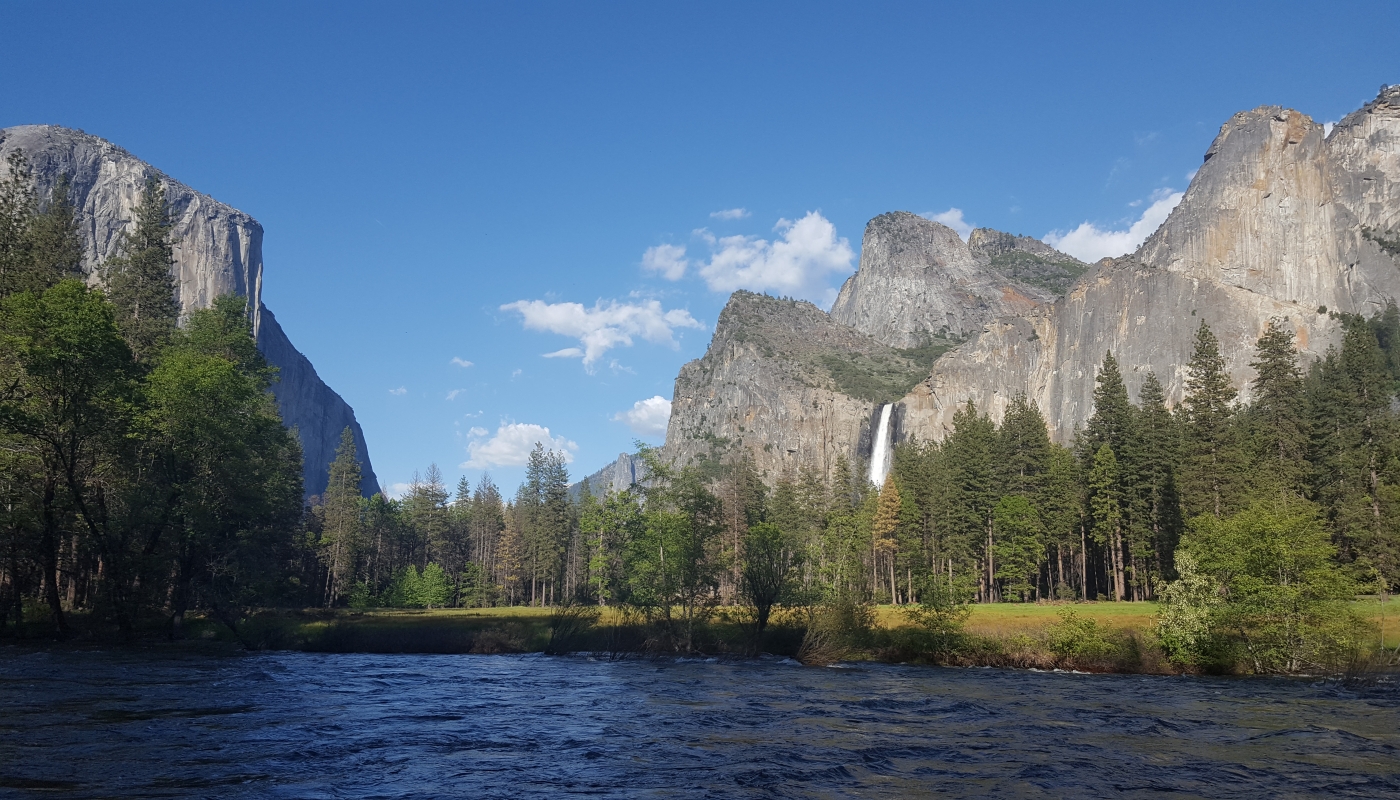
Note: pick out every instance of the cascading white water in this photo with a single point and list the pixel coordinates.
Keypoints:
(880, 450)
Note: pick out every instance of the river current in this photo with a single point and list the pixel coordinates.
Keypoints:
(143, 724)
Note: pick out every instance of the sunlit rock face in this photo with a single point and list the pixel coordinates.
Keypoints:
(1281, 221)
(918, 279)
(218, 251)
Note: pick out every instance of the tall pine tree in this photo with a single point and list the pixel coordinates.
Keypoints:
(1213, 458)
(139, 281)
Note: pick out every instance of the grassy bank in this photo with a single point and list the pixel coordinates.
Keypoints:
(1102, 637)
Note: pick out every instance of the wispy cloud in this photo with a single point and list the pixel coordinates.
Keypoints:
(461, 362)
(667, 260)
(730, 213)
(452, 395)
(511, 446)
(399, 392)
(953, 218)
(604, 326)
(1089, 242)
(798, 263)
(475, 431)
(647, 417)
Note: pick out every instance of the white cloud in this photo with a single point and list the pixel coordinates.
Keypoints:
(399, 491)
(475, 431)
(399, 392)
(516, 374)
(1327, 128)
(511, 446)
(459, 361)
(1089, 242)
(797, 264)
(667, 260)
(452, 395)
(730, 213)
(604, 326)
(647, 417)
(953, 218)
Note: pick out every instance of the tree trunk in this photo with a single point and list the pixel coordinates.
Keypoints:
(49, 545)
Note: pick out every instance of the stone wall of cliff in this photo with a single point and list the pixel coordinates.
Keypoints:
(1280, 221)
(218, 251)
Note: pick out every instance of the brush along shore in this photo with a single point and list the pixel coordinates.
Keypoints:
(1096, 637)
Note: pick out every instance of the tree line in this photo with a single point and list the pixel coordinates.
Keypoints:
(997, 508)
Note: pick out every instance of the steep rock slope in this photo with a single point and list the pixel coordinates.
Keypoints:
(918, 280)
(786, 383)
(219, 251)
(1278, 222)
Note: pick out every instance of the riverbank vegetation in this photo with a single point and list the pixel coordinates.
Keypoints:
(145, 474)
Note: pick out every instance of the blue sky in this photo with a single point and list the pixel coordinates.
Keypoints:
(437, 182)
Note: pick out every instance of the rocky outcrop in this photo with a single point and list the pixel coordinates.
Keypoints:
(919, 281)
(1279, 222)
(218, 251)
(784, 383)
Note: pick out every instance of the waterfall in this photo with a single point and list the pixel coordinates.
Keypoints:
(880, 448)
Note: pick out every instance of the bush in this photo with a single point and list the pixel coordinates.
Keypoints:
(1075, 638)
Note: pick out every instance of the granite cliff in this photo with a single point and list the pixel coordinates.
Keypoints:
(1283, 220)
(218, 251)
(1280, 221)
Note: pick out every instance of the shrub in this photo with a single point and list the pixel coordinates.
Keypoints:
(1075, 638)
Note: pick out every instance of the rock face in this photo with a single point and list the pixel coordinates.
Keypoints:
(1281, 221)
(1278, 222)
(918, 281)
(617, 476)
(219, 251)
(785, 383)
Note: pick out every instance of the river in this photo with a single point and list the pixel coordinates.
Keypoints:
(157, 724)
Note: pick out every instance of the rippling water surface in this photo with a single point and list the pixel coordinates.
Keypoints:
(125, 724)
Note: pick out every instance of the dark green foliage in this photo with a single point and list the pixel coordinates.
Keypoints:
(1213, 458)
(1276, 424)
(879, 379)
(769, 566)
(1053, 275)
(140, 281)
(166, 488)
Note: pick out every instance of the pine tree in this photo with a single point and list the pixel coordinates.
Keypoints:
(18, 205)
(1212, 467)
(140, 282)
(1023, 448)
(1107, 505)
(56, 239)
(1112, 421)
(969, 452)
(1354, 450)
(1276, 423)
(340, 541)
(884, 529)
(1159, 439)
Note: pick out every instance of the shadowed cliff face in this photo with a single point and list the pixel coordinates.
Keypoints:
(218, 251)
(1278, 222)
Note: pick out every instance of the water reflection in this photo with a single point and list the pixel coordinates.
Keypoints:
(308, 725)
